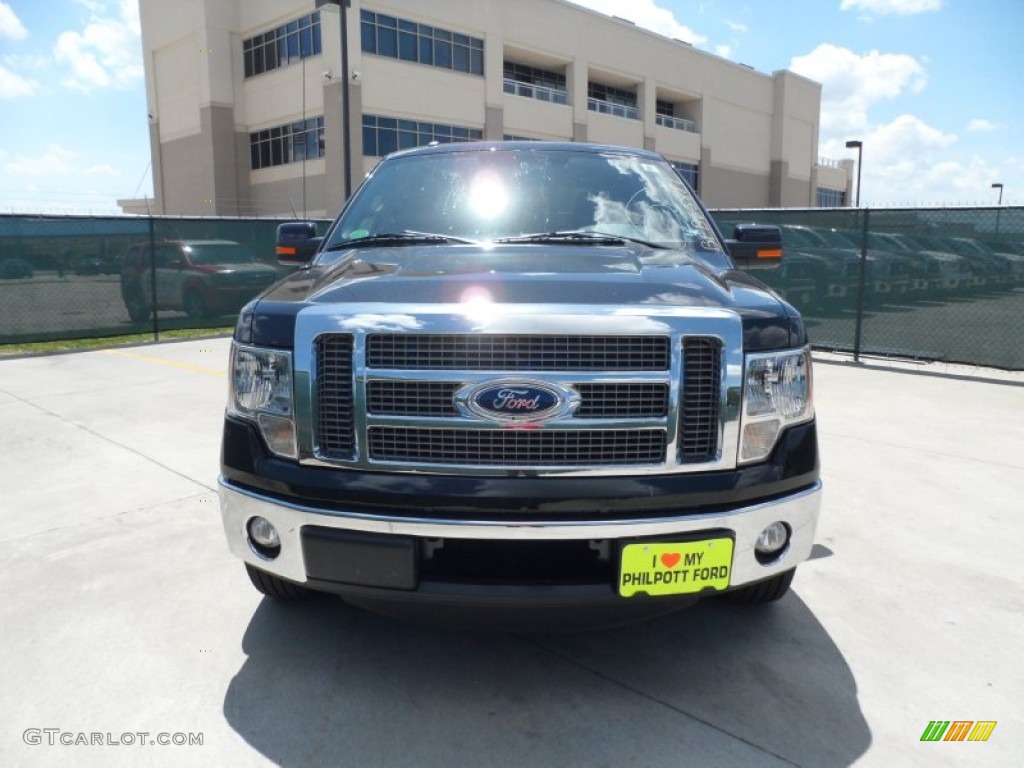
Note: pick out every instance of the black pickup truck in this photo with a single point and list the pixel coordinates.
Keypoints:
(522, 383)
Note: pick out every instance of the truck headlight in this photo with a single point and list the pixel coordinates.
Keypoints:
(261, 392)
(777, 393)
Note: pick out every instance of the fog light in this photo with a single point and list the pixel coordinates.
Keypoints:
(771, 542)
(263, 537)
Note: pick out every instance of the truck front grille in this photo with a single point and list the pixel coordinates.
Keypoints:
(622, 401)
(517, 448)
(389, 400)
(489, 352)
(335, 425)
(412, 398)
(700, 400)
(436, 398)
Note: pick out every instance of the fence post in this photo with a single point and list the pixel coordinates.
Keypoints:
(862, 279)
(152, 280)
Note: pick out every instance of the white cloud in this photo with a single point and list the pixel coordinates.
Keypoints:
(107, 52)
(886, 7)
(101, 170)
(980, 125)
(11, 27)
(725, 51)
(736, 26)
(851, 83)
(906, 160)
(95, 6)
(58, 179)
(54, 162)
(908, 137)
(647, 14)
(13, 85)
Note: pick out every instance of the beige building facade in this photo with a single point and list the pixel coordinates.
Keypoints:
(246, 99)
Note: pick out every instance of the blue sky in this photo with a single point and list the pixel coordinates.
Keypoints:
(934, 89)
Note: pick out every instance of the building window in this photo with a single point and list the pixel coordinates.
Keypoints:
(533, 83)
(612, 101)
(290, 143)
(406, 40)
(831, 198)
(690, 173)
(514, 137)
(282, 45)
(384, 135)
(665, 115)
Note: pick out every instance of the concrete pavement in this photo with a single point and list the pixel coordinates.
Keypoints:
(122, 611)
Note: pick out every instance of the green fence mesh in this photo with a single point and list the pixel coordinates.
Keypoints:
(82, 277)
(936, 284)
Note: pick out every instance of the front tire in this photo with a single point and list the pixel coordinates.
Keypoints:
(761, 592)
(194, 304)
(277, 588)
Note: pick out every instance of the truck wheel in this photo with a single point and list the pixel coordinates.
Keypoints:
(274, 587)
(767, 591)
(138, 308)
(194, 304)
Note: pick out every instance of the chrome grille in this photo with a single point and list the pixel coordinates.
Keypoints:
(700, 399)
(411, 398)
(622, 401)
(335, 428)
(517, 352)
(387, 400)
(517, 448)
(435, 398)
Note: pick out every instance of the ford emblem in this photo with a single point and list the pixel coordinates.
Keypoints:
(516, 400)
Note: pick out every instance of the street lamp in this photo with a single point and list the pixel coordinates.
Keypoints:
(346, 141)
(998, 185)
(859, 146)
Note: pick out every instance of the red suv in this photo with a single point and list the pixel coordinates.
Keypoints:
(199, 277)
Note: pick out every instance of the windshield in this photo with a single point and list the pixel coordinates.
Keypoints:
(490, 194)
(218, 253)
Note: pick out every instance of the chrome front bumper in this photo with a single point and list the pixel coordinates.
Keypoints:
(799, 511)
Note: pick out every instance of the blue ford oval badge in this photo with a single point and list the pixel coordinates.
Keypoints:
(515, 400)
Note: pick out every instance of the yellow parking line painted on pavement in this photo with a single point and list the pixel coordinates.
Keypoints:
(164, 361)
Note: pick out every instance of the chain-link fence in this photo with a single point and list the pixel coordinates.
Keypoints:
(935, 284)
(80, 277)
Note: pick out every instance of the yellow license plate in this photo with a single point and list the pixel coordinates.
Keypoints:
(660, 568)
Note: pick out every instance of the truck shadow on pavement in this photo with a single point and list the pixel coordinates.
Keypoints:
(327, 684)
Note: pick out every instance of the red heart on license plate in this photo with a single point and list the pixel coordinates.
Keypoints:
(670, 559)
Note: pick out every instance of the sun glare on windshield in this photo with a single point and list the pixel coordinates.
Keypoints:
(488, 196)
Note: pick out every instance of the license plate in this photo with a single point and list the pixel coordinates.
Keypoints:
(660, 568)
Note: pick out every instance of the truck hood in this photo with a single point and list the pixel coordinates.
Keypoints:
(522, 274)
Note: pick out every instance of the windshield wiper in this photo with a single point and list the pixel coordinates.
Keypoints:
(576, 237)
(407, 237)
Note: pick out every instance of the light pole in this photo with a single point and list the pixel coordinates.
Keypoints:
(859, 146)
(998, 185)
(346, 141)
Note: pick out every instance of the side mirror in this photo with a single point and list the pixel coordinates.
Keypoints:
(756, 246)
(297, 243)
